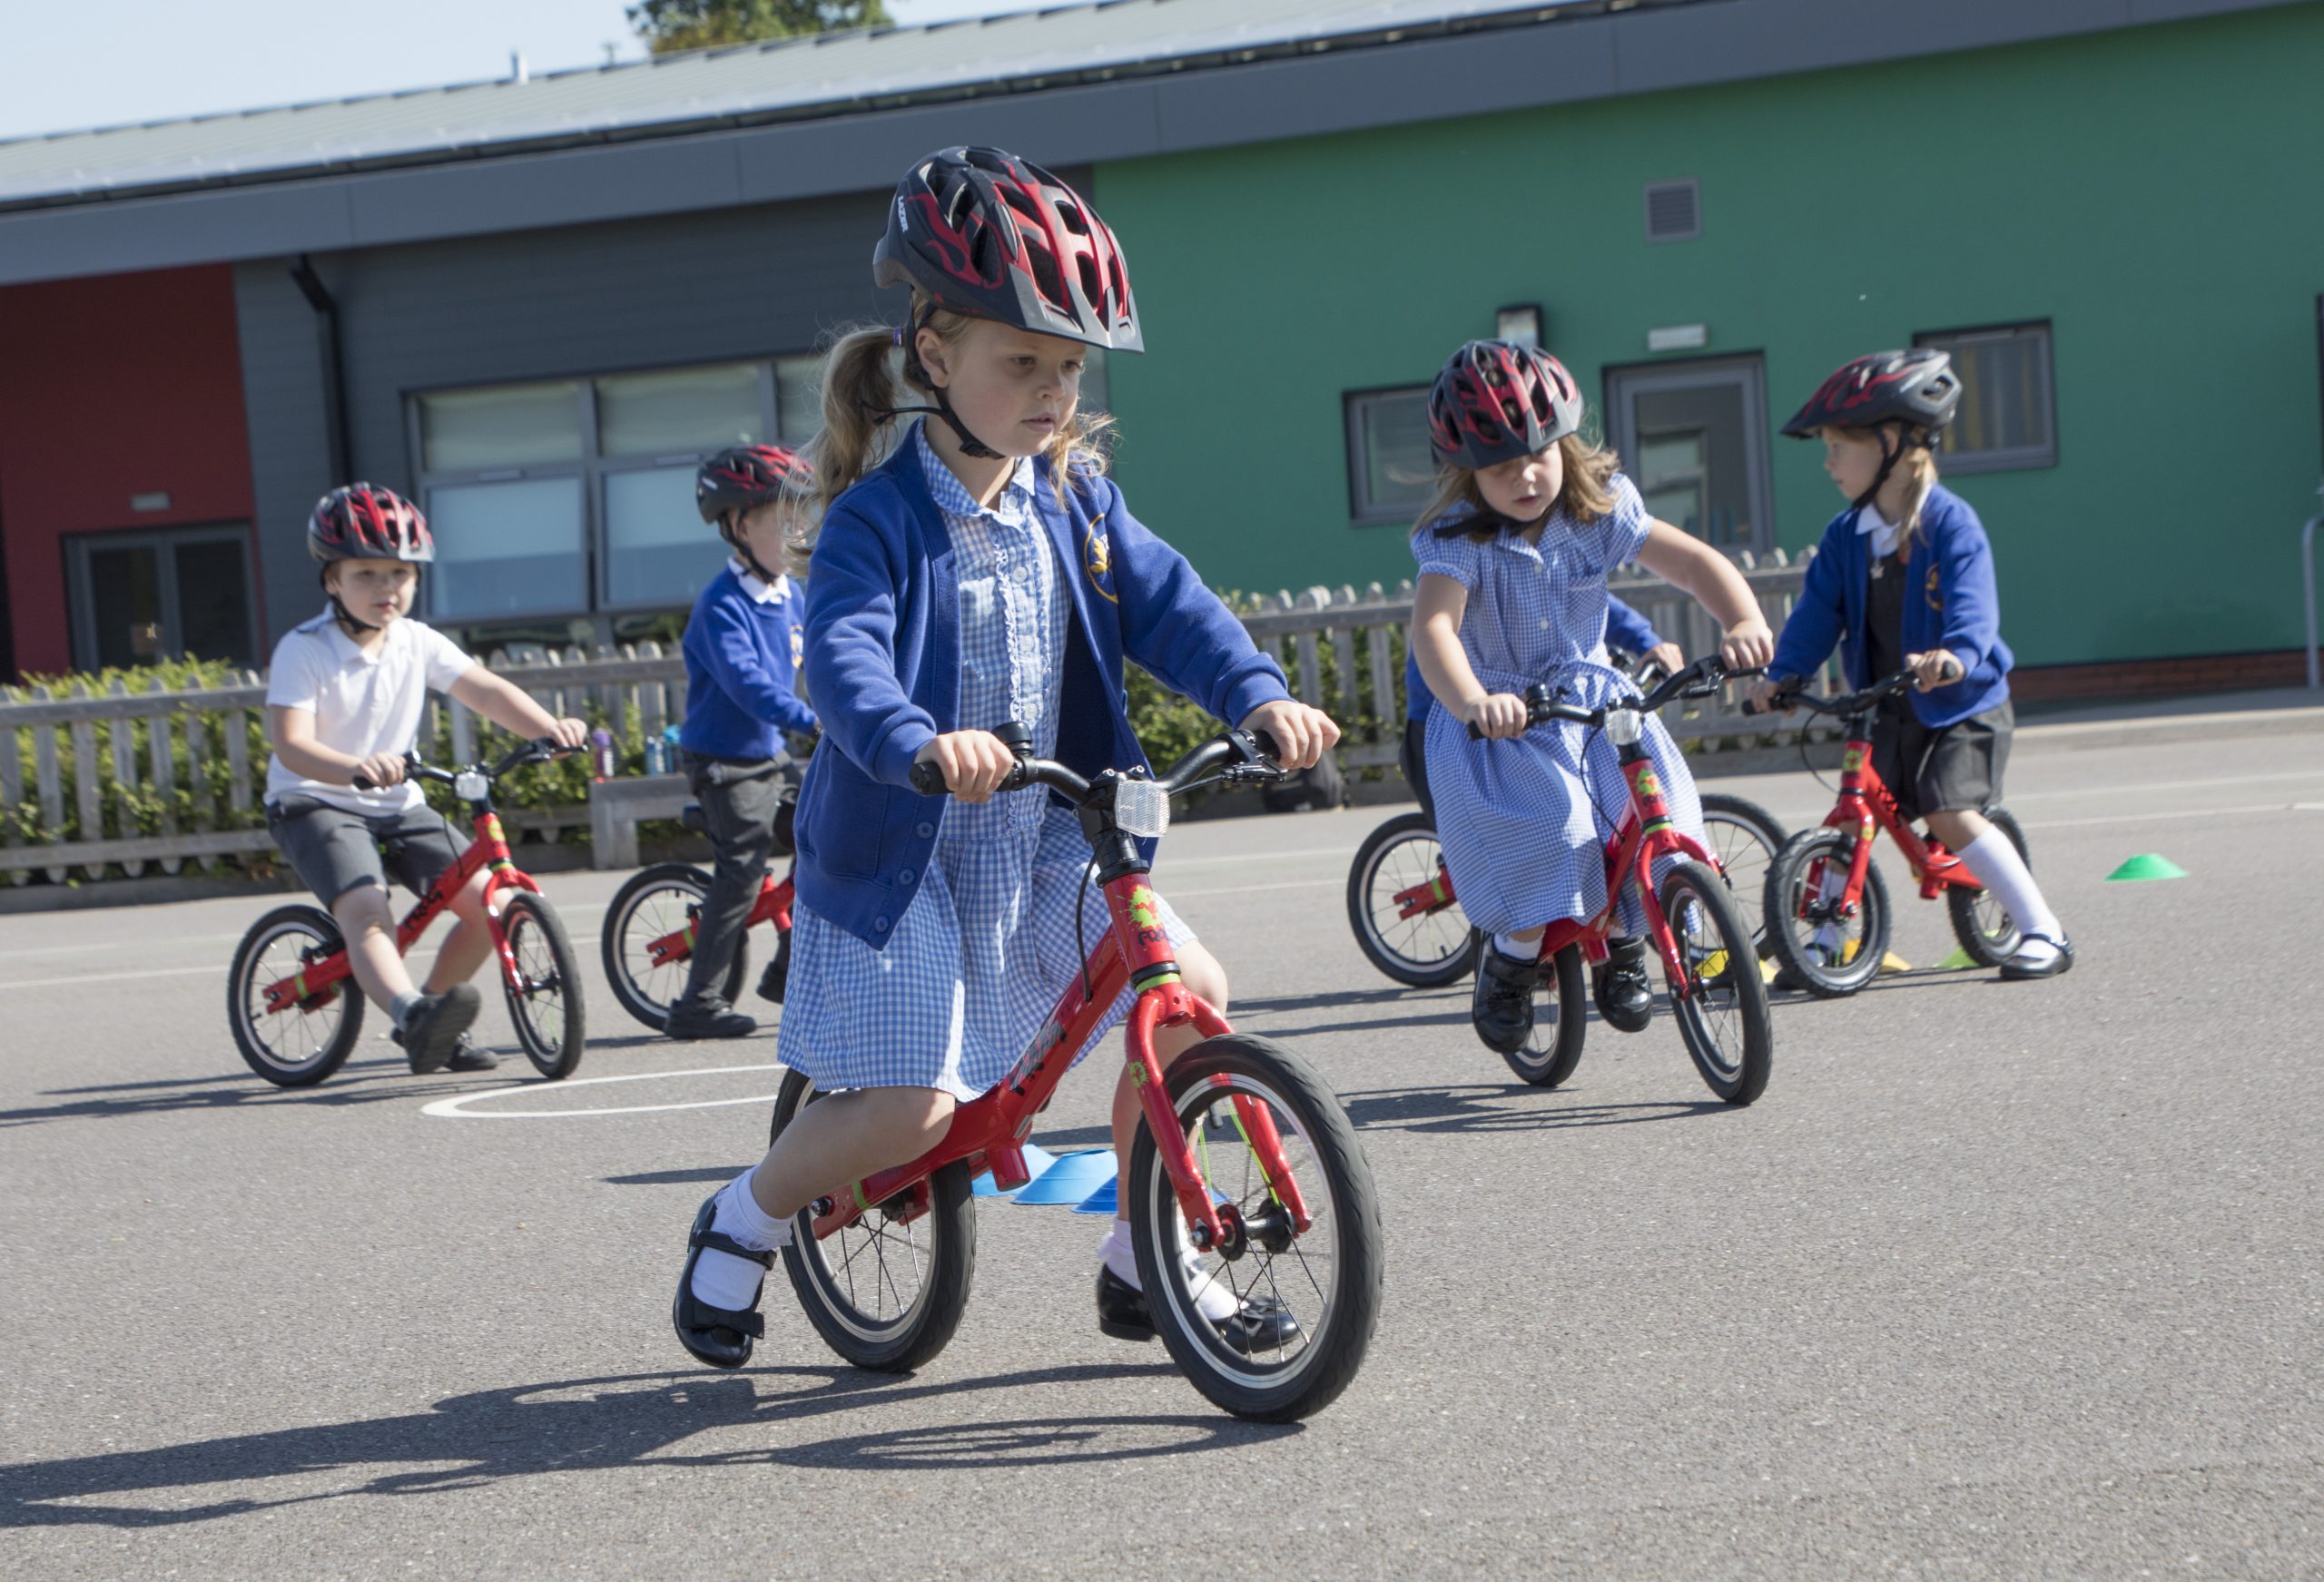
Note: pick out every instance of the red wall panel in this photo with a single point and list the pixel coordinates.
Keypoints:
(111, 387)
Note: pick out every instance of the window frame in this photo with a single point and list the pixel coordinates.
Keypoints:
(1620, 381)
(2010, 458)
(81, 589)
(1361, 511)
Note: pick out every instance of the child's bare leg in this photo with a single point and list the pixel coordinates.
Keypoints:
(1958, 828)
(466, 948)
(369, 930)
(844, 1138)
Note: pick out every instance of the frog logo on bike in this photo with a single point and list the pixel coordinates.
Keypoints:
(1853, 762)
(1146, 912)
(1648, 785)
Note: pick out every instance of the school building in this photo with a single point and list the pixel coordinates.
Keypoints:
(532, 304)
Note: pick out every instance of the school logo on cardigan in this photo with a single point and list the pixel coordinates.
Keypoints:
(1935, 594)
(1098, 561)
(798, 646)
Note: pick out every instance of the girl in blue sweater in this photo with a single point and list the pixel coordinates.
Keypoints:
(985, 571)
(1905, 580)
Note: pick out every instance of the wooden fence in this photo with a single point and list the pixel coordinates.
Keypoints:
(123, 779)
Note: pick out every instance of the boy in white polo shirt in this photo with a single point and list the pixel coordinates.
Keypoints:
(344, 700)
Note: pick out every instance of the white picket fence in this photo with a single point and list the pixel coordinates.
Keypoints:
(182, 779)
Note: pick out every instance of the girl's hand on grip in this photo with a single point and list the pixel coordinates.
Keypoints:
(1497, 715)
(1302, 734)
(1748, 645)
(974, 763)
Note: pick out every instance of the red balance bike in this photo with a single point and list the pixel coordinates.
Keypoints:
(647, 940)
(1245, 1154)
(292, 1000)
(1827, 906)
(1710, 963)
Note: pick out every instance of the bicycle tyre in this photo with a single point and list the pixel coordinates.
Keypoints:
(1548, 1062)
(1988, 947)
(1427, 952)
(1741, 1075)
(253, 967)
(638, 985)
(1806, 959)
(922, 1327)
(1747, 881)
(551, 1023)
(1337, 1330)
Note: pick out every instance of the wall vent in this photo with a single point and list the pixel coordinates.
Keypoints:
(1673, 211)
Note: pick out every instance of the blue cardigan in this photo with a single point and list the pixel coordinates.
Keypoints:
(741, 655)
(883, 666)
(1950, 602)
(1625, 628)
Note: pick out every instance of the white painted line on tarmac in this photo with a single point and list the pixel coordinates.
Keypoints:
(456, 1108)
(1264, 889)
(2123, 788)
(2175, 813)
(214, 968)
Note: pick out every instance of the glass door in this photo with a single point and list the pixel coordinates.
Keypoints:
(1693, 437)
(141, 597)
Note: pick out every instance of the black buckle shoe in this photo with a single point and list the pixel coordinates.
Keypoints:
(436, 1026)
(2057, 966)
(1501, 1008)
(1260, 1323)
(712, 1334)
(777, 975)
(1625, 998)
(708, 1019)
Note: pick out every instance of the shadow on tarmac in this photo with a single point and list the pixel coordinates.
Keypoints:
(357, 1082)
(1485, 1108)
(625, 1422)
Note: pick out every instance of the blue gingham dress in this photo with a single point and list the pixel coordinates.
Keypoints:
(1523, 839)
(986, 944)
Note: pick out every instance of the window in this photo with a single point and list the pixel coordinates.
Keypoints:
(1693, 437)
(562, 498)
(138, 598)
(2007, 406)
(1390, 470)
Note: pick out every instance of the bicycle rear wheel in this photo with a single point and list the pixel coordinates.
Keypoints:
(1723, 1013)
(1744, 839)
(1428, 948)
(1826, 953)
(545, 998)
(888, 1292)
(1979, 920)
(1561, 1022)
(299, 1047)
(653, 904)
(1326, 1277)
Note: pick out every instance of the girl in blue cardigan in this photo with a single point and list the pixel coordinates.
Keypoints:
(1904, 579)
(986, 571)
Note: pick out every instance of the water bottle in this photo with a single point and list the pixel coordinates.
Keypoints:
(601, 753)
(657, 756)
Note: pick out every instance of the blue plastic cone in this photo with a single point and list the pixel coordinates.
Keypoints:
(1036, 1160)
(1071, 1179)
(1102, 1201)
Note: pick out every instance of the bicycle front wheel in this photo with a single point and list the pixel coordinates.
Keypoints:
(544, 992)
(656, 903)
(888, 1292)
(1827, 952)
(1722, 1012)
(1430, 948)
(299, 1047)
(1326, 1278)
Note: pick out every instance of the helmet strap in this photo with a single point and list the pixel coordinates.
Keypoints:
(1889, 457)
(340, 613)
(732, 533)
(918, 375)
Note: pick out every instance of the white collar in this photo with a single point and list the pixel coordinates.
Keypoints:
(763, 593)
(1882, 532)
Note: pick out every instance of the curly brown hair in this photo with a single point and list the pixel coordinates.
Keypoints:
(1586, 494)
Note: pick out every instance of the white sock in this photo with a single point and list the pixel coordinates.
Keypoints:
(1211, 1294)
(400, 1008)
(1994, 859)
(1517, 949)
(721, 1279)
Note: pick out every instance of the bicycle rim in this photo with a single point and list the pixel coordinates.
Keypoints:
(299, 1044)
(1427, 942)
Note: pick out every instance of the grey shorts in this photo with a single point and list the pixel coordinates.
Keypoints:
(335, 850)
(1955, 769)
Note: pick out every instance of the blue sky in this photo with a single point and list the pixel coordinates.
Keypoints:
(158, 59)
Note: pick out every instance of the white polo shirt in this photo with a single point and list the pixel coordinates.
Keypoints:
(362, 702)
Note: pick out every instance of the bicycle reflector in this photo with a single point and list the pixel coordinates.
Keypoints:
(469, 786)
(1142, 808)
(1624, 727)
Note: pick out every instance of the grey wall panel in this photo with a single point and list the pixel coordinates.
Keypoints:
(622, 181)
(287, 405)
(48, 244)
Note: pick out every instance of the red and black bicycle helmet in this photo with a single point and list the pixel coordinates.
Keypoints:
(1495, 399)
(364, 522)
(993, 236)
(744, 478)
(1917, 388)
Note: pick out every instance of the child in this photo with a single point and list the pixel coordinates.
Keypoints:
(343, 700)
(742, 646)
(1626, 629)
(1514, 550)
(985, 571)
(1905, 580)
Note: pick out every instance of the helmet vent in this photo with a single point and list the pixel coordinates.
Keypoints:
(1093, 284)
(1046, 279)
(1017, 199)
(1673, 211)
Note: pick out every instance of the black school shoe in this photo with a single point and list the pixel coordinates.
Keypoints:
(1501, 1008)
(2057, 966)
(1261, 1324)
(1625, 998)
(432, 1032)
(712, 1334)
(713, 1019)
(777, 976)
(466, 1055)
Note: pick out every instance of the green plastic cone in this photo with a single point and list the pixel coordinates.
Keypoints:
(1959, 961)
(2147, 865)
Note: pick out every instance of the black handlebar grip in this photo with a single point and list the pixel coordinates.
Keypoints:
(928, 778)
(363, 782)
(1268, 745)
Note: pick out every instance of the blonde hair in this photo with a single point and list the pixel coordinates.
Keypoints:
(1917, 466)
(1586, 494)
(859, 396)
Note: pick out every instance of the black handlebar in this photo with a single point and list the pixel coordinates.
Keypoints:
(1792, 692)
(1698, 680)
(1249, 755)
(539, 749)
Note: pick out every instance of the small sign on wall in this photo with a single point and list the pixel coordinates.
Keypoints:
(158, 501)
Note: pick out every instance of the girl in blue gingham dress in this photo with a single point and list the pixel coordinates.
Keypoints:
(983, 951)
(1529, 520)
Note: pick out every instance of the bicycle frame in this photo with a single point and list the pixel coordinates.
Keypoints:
(989, 1131)
(773, 906)
(1867, 806)
(1644, 834)
(487, 851)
